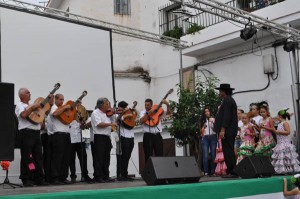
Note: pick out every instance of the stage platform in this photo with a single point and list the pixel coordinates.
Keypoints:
(208, 187)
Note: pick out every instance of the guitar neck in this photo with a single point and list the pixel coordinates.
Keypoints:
(77, 101)
(160, 104)
(46, 100)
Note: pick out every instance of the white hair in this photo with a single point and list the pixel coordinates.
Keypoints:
(21, 91)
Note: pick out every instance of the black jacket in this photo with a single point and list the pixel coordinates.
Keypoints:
(227, 117)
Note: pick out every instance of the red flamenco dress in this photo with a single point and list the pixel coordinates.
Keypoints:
(221, 166)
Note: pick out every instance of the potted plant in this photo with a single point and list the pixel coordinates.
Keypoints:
(194, 28)
(185, 125)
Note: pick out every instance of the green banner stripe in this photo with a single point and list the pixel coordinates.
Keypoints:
(212, 190)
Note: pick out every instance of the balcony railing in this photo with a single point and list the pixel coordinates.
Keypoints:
(168, 20)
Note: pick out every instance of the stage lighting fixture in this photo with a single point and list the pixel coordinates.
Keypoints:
(290, 45)
(248, 32)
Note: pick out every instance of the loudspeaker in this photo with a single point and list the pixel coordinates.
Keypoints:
(169, 170)
(254, 166)
(7, 122)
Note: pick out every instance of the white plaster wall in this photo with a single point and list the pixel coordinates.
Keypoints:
(161, 61)
(246, 73)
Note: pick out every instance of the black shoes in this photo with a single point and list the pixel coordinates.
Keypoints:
(127, 178)
(67, 181)
(98, 180)
(108, 180)
(27, 183)
(73, 180)
(230, 175)
(87, 179)
(42, 183)
(57, 182)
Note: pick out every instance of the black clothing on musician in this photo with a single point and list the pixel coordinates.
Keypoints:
(31, 165)
(60, 145)
(31, 152)
(79, 149)
(102, 148)
(46, 159)
(227, 118)
(152, 142)
(127, 145)
(152, 139)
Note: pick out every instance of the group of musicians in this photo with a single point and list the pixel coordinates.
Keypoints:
(48, 148)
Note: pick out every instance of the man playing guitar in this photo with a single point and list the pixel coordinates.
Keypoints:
(152, 139)
(127, 141)
(59, 143)
(30, 141)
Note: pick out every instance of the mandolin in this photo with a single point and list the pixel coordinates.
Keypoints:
(157, 112)
(37, 116)
(129, 122)
(68, 115)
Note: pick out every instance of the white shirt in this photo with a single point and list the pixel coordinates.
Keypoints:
(56, 125)
(240, 123)
(257, 120)
(48, 125)
(24, 123)
(91, 130)
(99, 117)
(75, 132)
(209, 127)
(125, 132)
(155, 129)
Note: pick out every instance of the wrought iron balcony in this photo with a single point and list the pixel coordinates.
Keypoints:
(170, 17)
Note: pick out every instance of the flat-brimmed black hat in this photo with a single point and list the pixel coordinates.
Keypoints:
(224, 87)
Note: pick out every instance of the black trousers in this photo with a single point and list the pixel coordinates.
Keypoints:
(31, 152)
(46, 161)
(60, 146)
(79, 149)
(152, 142)
(228, 151)
(102, 148)
(127, 145)
(93, 156)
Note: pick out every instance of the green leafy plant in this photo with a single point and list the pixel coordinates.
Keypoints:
(194, 28)
(185, 125)
(176, 32)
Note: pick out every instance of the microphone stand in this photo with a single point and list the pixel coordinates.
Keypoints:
(81, 146)
(151, 119)
(118, 144)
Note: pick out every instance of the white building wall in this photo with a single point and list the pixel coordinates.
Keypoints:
(162, 62)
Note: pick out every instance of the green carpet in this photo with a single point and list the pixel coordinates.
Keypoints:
(211, 190)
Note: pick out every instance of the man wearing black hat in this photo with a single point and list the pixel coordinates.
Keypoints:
(226, 126)
(127, 142)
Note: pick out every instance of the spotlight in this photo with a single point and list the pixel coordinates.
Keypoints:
(247, 33)
(290, 45)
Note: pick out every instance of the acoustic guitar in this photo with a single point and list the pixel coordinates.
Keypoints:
(129, 122)
(68, 115)
(37, 116)
(154, 117)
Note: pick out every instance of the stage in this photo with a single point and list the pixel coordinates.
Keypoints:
(208, 187)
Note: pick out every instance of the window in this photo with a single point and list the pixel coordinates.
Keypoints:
(122, 7)
(188, 78)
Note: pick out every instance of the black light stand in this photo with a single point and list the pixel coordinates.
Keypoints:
(6, 182)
